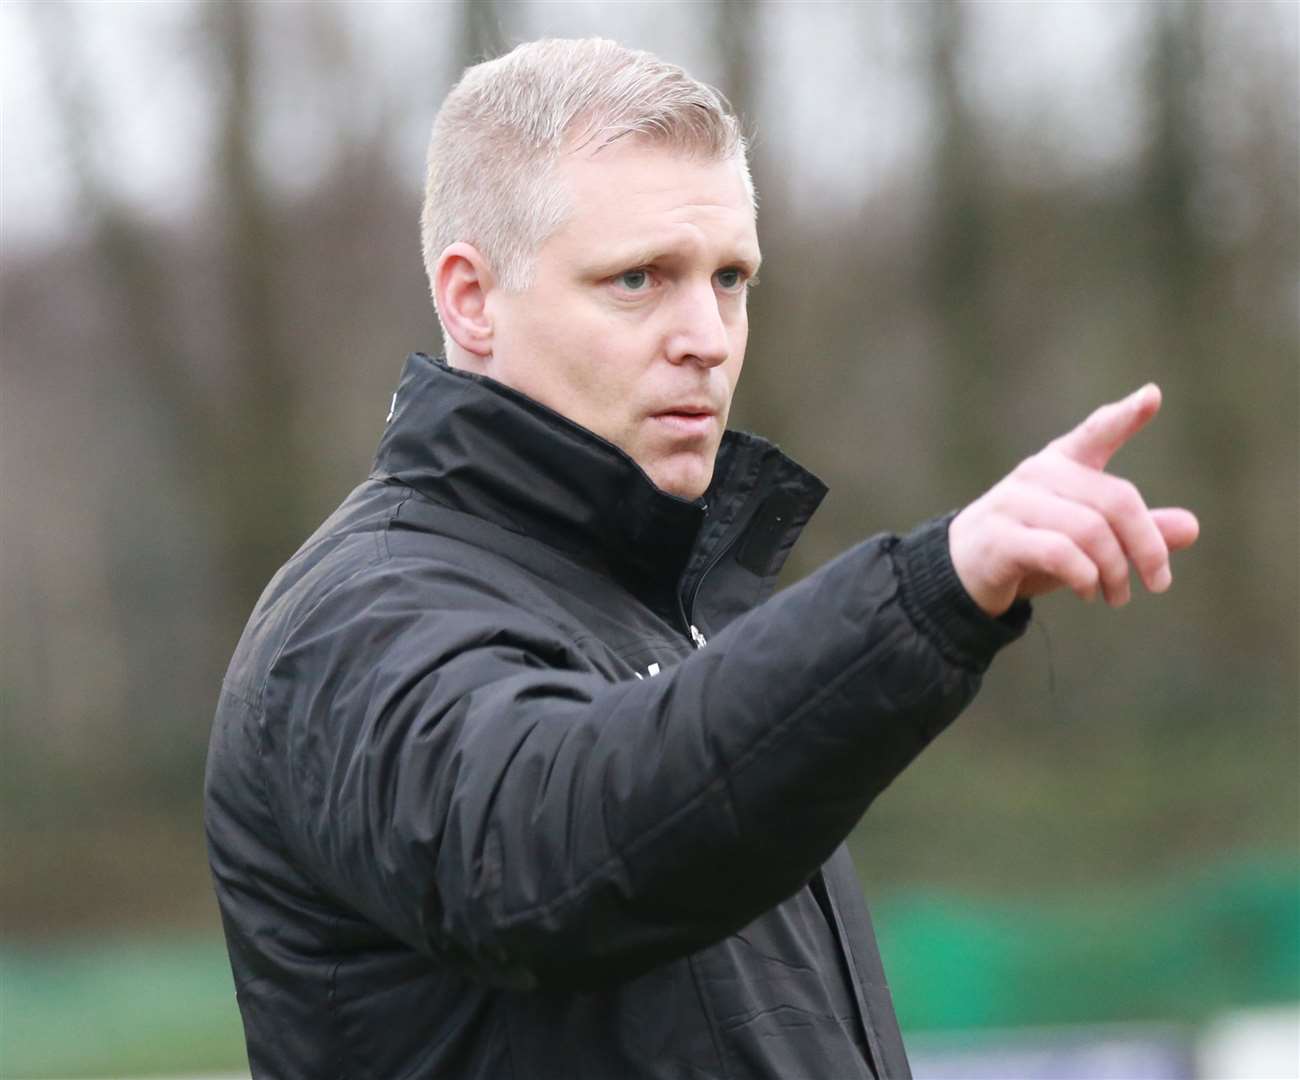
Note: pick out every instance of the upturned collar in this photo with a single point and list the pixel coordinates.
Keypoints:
(483, 448)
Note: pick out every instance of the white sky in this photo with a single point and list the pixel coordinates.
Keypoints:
(842, 102)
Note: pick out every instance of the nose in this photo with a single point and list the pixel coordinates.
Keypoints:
(698, 334)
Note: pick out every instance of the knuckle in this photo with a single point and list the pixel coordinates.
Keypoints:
(1082, 572)
(1115, 571)
(1122, 498)
(1015, 489)
(1058, 554)
(1096, 533)
(1027, 468)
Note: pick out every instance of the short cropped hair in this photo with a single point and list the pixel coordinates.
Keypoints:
(506, 123)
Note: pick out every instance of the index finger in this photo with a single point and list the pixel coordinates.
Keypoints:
(1095, 440)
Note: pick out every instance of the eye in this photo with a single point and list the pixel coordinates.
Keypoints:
(634, 280)
(730, 279)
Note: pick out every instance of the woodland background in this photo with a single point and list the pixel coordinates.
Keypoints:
(979, 220)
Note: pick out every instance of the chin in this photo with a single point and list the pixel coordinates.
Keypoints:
(688, 483)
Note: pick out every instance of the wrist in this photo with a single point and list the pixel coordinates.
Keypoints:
(938, 602)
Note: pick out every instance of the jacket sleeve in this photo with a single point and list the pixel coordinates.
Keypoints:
(459, 775)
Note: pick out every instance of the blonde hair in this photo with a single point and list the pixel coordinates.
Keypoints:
(504, 126)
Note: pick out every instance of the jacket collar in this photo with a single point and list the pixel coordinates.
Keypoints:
(483, 448)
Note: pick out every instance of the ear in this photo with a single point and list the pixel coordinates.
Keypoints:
(462, 281)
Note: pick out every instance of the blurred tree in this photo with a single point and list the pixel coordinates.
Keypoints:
(482, 32)
(186, 399)
(960, 253)
(239, 449)
(128, 261)
(253, 466)
(1210, 328)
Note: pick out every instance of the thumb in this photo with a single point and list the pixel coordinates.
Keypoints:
(1179, 527)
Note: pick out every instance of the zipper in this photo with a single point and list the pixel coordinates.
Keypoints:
(686, 607)
(693, 632)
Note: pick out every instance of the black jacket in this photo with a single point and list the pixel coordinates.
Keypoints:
(479, 807)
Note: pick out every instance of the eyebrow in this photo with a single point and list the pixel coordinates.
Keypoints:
(651, 254)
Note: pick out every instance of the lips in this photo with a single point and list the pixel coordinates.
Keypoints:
(687, 420)
(695, 411)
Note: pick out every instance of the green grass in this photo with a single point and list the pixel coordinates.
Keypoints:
(136, 1007)
(1225, 937)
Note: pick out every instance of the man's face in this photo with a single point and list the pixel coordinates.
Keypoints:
(635, 325)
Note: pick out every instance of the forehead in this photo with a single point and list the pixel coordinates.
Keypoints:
(631, 194)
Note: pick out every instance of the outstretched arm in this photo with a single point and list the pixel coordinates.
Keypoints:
(454, 769)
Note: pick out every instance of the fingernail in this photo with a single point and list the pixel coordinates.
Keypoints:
(1163, 579)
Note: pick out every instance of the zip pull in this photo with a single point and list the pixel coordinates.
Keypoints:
(697, 637)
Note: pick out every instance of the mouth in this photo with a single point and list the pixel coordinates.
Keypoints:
(687, 419)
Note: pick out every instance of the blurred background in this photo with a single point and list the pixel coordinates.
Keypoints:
(979, 220)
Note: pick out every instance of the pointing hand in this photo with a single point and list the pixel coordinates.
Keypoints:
(1059, 520)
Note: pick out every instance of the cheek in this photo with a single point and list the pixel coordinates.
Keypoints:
(590, 372)
(740, 333)
(537, 343)
(739, 341)
(581, 359)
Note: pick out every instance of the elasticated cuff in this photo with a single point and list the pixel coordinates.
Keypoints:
(936, 601)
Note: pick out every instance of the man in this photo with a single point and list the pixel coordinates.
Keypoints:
(516, 771)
